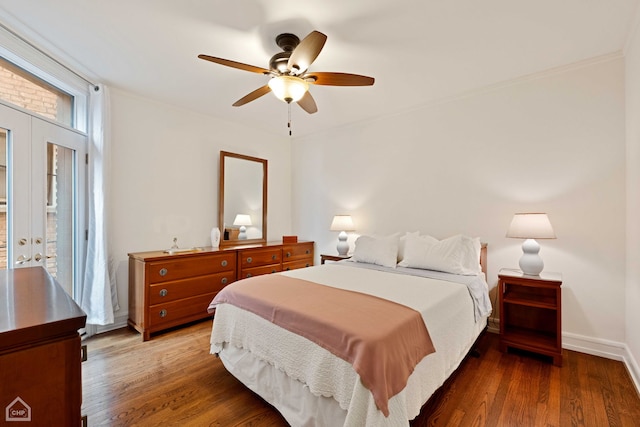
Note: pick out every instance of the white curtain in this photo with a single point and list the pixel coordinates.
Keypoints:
(99, 298)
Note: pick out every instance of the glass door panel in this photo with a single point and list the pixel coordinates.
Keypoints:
(61, 233)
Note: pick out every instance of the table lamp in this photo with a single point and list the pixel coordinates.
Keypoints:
(342, 223)
(531, 226)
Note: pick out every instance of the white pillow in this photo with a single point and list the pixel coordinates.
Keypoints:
(458, 254)
(401, 244)
(376, 250)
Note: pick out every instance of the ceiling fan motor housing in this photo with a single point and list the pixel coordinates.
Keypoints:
(287, 42)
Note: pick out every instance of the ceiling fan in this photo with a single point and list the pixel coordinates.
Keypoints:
(290, 77)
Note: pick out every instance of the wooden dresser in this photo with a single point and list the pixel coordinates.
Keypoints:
(170, 290)
(40, 356)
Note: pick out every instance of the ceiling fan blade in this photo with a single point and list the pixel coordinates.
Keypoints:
(338, 79)
(306, 52)
(308, 104)
(235, 64)
(252, 96)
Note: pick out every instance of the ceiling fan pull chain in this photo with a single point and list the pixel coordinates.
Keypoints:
(289, 122)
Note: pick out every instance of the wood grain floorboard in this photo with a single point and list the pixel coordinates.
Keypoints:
(172, 380)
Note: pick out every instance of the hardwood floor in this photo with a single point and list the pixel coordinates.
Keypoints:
(172, 380)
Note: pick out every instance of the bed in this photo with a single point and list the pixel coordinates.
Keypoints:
(307, 379)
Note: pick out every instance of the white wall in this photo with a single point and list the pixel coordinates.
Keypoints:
(632, 90)
(164, 179)
(550, 143)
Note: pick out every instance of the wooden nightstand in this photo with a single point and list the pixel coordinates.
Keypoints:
(327, 257)
(531, 313)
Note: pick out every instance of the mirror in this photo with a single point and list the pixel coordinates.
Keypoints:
(242, 199)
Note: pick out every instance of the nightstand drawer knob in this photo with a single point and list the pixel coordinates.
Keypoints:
(224, 280)
(163, 272)
(163, 313)
(163, 292)
(224, 263)
(249, 259)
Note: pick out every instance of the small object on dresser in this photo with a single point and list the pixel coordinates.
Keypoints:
(289, 239)
(215, 237)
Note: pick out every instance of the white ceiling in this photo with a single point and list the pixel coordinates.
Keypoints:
(419, 51)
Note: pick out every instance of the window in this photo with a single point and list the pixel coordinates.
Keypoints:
(27, 91)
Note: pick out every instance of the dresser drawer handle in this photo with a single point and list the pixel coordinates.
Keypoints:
(273, 271)
(224, 280)
(306, 265)
(288, 254)
(249, 275)
(163, 313)
(163, 292)
(163, 272)
(307, 252)
(224, 263)
(249, 259)
(274, 257)
(288, 268)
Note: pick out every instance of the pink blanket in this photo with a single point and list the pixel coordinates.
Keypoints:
(383, 340)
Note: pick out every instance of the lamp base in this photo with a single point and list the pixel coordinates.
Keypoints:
(343, 246)
(243, 233)
(530, 263)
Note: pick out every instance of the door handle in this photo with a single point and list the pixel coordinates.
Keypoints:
(22, 259)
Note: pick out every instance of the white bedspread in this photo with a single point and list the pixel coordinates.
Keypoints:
(446, 307)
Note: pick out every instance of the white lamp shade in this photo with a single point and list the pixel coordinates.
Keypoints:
(531, 226)
(288, 88)
(242, 219)
(342, 223)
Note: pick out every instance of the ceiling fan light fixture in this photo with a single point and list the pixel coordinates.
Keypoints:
(288, 88)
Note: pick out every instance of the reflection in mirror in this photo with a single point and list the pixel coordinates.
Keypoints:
(243, 199)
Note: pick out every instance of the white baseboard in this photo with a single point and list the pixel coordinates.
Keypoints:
(120, 321)
(594, 346)
(604, 348)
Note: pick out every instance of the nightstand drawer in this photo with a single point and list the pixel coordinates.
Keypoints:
(170, 291)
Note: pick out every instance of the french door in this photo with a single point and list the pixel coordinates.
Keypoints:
(42, 196)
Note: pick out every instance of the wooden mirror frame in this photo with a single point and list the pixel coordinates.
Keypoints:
(221, 192)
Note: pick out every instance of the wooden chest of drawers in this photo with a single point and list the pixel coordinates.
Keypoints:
(169, 290)
(40, 359)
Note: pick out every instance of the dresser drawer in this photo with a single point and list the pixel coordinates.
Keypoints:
(297, 251)
(257, 271)
(259, 257)
(180, 311)
(170, 291)
(175, 269)
(286, 266)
